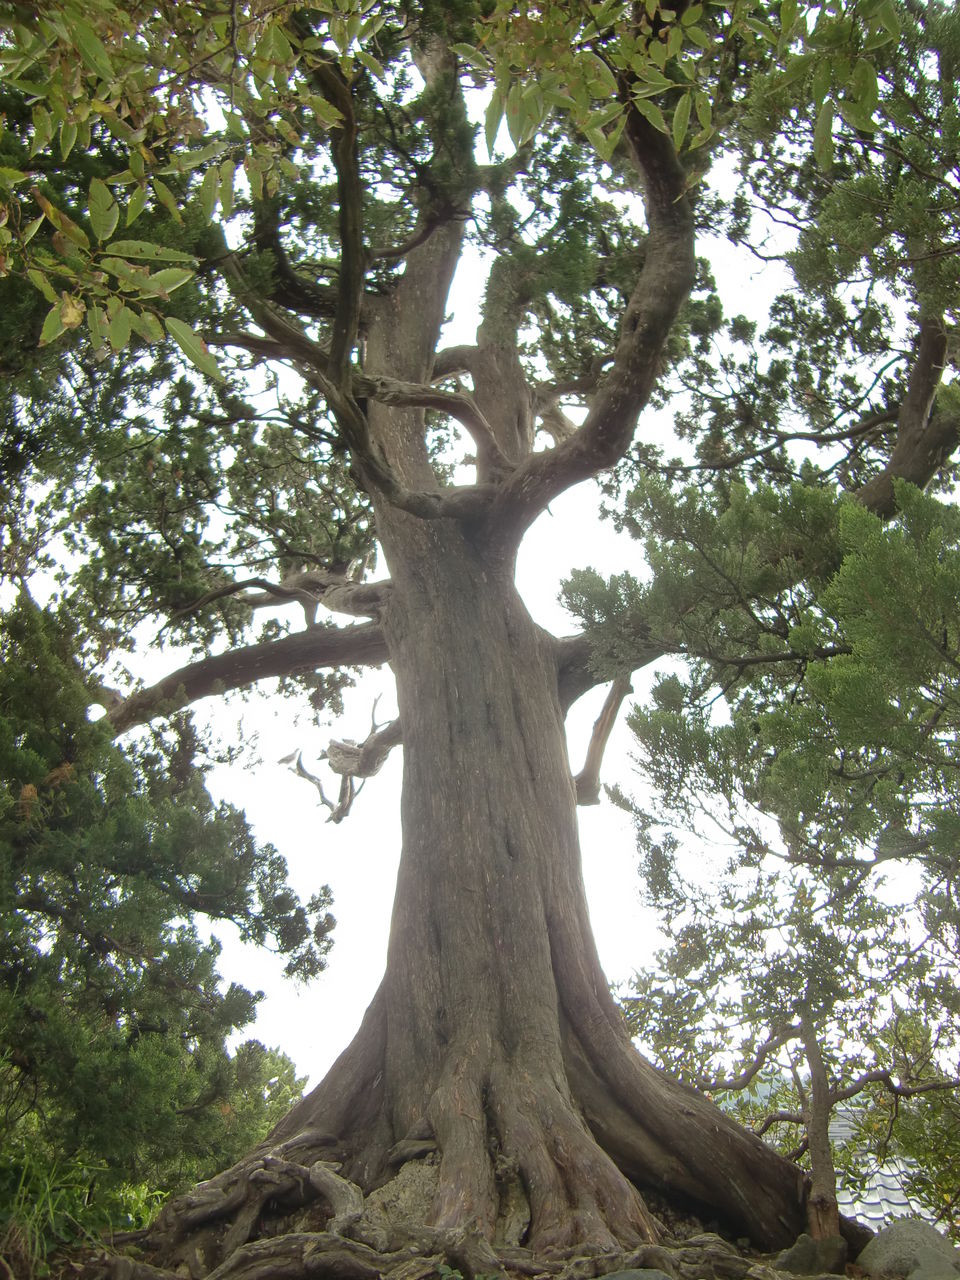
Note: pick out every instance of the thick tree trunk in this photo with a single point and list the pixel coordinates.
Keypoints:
(493, 1038)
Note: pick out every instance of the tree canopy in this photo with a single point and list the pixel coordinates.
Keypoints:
(229, 242)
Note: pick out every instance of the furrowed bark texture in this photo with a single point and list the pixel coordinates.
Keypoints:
(494, 1037)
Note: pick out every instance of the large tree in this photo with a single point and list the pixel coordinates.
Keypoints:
(308, 180)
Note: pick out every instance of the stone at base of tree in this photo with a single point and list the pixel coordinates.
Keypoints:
(809, 1257)
(910, 1248)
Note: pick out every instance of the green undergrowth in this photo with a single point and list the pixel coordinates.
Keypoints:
(49, 1206)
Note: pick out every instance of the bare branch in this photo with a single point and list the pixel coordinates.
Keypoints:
(777, 1117)
(587, 781)
(665, 279)
(310, 588)
(925, 438)
(575, 670)
(452, 360)
(884, 1076)
(736, 1083)
(352, 760)
(305, 651)
(456, 404)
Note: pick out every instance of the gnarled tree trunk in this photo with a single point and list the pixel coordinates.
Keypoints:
(493, 1040)
(494, 1034)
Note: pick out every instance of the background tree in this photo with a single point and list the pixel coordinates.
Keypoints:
(114, 1069)
(493, 1051)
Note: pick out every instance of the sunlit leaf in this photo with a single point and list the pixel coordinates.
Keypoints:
(103, 209)
(193, 347)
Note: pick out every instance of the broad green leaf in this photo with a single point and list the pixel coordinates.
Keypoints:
(251, 168)
(650, 111)
(147, 325)
(162, 283)
(68, 136)
(788, 18)
(120, 327)
(823, 136)
(97, 324)
(471, 56)
(796, 68)
(327, 114)
(103, 209)
(373, 66)
(52, 325)
(227, 171)
(515, 113)
(887, 13)
(209, 192)
(166, 198)
(681, 118)
(136, 204)
(10, 177)
(703, 109)
(857, 118)
(145, 251)
(492, 118)
(42, 129)
(598, 74)
(821, 80)
(863, 82)
(193, 347)
(697, 36)
(605, 115)
(31, 229)
(92, 51)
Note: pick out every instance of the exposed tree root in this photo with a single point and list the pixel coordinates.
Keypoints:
(326, 1255)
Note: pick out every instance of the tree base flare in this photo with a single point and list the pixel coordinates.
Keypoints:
(364, 1254)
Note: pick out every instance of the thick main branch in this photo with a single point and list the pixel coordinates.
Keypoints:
(306, 651)
(664, 281)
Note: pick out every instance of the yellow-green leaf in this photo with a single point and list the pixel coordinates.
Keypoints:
(166, 198)
(120, 327)
(136, 204)
(68, 136)
(681, 118)
(103, 209)
(71, 310)
(52, 325)
(145, 251)
(162, 283)
(40, 281)
(650, 111)
(193, 347)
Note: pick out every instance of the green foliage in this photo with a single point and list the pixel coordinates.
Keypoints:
(108, 996)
